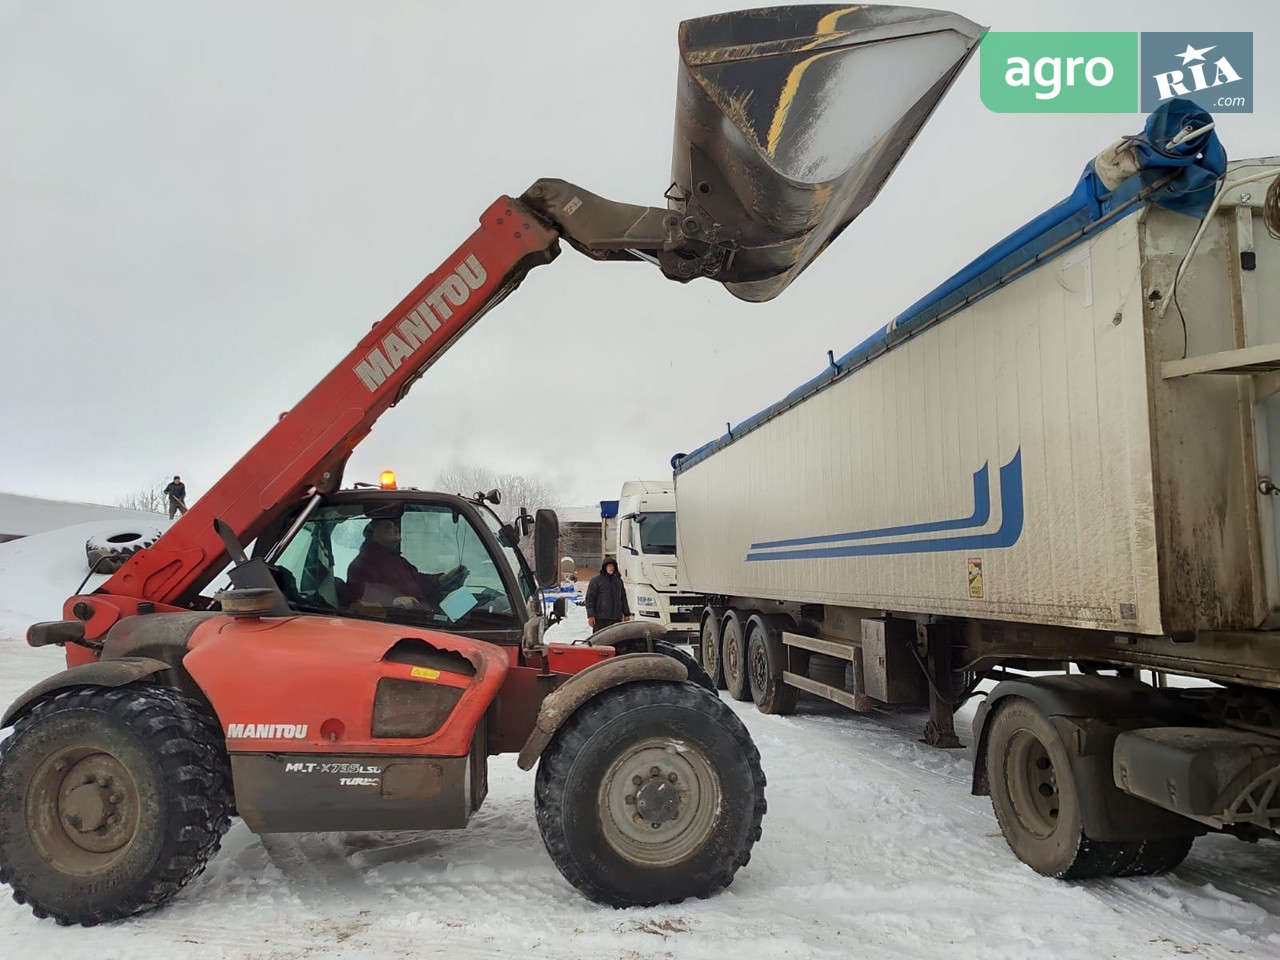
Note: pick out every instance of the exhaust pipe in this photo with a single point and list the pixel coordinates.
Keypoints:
(789, 120)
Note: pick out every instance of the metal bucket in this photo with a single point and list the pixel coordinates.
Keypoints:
(790, 119)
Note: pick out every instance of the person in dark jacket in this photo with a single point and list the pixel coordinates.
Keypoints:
(381, 576)
(607, 598)
(177, 494)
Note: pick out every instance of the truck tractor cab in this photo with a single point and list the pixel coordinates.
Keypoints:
(646, 553)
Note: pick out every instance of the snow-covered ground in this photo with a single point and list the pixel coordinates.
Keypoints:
(872, 848)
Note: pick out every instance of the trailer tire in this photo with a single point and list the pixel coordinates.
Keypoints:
(1152, 857)
(712, 661)
(642, 645)
(1035, 799)
(707, 819)
(107, 553)
(733, 654)
(142, 764)
(766, 662)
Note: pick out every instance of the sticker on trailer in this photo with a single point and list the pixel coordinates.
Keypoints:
(974, 569)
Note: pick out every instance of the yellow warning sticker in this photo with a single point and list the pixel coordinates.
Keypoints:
(974, 565)
(424, 673)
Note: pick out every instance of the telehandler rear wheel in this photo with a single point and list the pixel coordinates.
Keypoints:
(111, 800)
(652, 792)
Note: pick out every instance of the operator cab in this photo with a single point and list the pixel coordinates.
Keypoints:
(427, 560)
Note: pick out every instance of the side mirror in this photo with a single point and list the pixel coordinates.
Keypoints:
(557, 611)
(524, 522)
(546, 547)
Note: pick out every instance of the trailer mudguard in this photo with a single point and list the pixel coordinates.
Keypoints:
(594, 680)
(1089, 712)
(104, 673)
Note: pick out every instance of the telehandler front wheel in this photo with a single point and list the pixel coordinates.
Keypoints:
(652, 792)
(111, 800)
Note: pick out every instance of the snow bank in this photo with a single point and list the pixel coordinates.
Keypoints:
(39, 572)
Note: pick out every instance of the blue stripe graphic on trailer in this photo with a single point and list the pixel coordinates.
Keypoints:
(981, 514)
(1010, 530)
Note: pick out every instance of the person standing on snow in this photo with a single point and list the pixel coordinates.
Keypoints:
(177, 494)
(607, 598)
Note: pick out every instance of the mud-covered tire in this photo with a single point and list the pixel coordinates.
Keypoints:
(666, 647)
(111, 800)
(733, 654)
(766, 662)
(1035, 799)
(710, 645)
(107, 553)
(1147, 858)
(587, 798)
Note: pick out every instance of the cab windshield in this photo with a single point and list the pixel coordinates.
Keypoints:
(658, 533)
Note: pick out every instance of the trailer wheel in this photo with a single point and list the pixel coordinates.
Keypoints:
(766, 661)
(652, 792)
(642, 645)
(1034, 796)
(111, 800)
(711, 659)
(733, 654)
(1151, 857)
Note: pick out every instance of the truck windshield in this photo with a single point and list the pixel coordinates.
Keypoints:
(658, 533)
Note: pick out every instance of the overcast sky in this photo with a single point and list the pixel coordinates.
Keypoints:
(203, 206)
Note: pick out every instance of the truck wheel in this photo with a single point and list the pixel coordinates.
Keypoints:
(652, 792)
(766, 661)
(711, 659)
(642, 645)
(111, 800)
(733, 654)
(1033, 793)
(108, 553)
(1151, 857)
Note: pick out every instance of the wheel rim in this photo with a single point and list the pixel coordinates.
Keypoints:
(710, 649)
(757, 664)
(659, 802)
(1033, 784)
(732, 653)
(82, 810)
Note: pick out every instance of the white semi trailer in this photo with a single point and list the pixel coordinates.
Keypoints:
(1064, 461)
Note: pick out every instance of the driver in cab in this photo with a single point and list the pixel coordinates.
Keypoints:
(381, 576)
